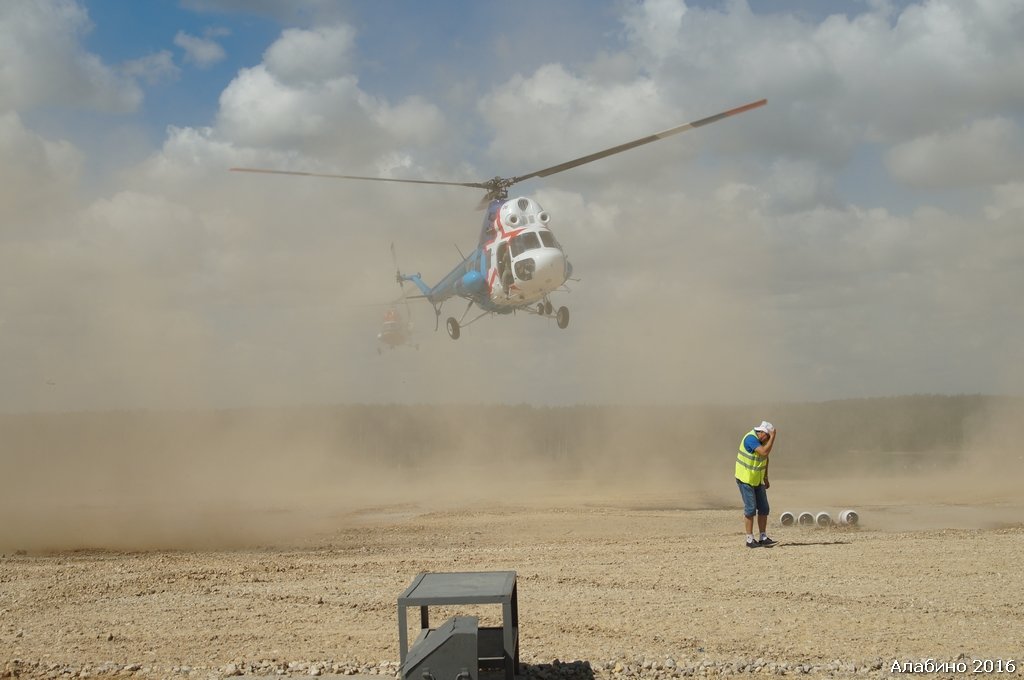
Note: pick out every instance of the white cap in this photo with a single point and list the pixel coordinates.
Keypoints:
(765, 427)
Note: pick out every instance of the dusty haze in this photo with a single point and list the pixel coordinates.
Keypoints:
(175, 336)
(235, 478)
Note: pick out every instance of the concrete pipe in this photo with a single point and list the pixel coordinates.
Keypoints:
(849, 517)
(805, 519)
(787, 519)
(823, 519)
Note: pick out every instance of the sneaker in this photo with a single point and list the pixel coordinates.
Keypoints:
(767, 542)
(753, 544)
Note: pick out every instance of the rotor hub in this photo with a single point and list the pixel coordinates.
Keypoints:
(497, 188)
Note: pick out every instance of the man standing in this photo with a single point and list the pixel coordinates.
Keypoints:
(752, 479)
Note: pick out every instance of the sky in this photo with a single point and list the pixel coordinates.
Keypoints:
(861, 235)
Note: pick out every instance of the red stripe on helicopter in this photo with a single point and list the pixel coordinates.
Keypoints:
(499, 233)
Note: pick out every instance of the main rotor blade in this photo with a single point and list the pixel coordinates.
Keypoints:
(496, 187)
(638, 142)
(474, 185)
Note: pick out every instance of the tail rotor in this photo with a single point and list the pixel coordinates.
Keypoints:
(401, 284)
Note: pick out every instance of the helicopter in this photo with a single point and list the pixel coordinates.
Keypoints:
(396, 329)
(517, 264)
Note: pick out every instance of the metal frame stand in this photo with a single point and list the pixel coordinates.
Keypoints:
(498, 647)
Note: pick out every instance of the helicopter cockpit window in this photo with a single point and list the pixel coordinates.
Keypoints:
(528, 241)
(548, 239)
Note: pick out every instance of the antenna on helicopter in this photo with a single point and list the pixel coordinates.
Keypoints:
(398, 270)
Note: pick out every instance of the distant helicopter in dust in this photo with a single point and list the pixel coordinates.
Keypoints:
(396, 330)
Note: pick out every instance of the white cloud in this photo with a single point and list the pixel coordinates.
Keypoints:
(305, 99)
(152, 68)
(655, 25)
(554, 116)
(799, 185)
(190, 155)
(307, 57)
(985, 152)
(202, 52)
(285, 12)
(831, 84)
(1007, 200)
(413, 120)
(37, 176)
(257, 109)
(44, 63)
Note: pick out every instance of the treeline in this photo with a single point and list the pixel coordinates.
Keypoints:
(896, 432)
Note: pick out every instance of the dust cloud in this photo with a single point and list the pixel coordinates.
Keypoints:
(234, 478)
(947, 470)
(140, 480)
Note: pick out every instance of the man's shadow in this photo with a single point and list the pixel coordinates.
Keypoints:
(807, 543)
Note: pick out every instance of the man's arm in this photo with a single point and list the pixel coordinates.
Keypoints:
(766, 448)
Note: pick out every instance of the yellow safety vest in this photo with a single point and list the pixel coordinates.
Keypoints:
(750, 467)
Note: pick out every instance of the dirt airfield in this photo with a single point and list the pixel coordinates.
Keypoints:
(296, 569)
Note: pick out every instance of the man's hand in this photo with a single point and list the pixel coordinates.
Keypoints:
(767, 484)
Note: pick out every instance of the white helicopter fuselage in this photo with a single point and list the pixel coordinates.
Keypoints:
(525, 263)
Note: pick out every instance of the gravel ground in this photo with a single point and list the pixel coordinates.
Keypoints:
(623, 587)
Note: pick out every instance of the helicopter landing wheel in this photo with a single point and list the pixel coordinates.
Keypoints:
(563, 317)
(547, 307)
(453, 328)
(540, 309)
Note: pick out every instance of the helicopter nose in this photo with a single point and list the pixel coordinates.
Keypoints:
(549, 270)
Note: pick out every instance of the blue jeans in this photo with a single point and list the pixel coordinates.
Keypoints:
(755, 498)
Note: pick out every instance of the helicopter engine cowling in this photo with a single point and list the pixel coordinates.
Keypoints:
(471, 283)
(522, 212)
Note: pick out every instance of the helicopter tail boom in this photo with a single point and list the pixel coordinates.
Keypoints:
(415, 278)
